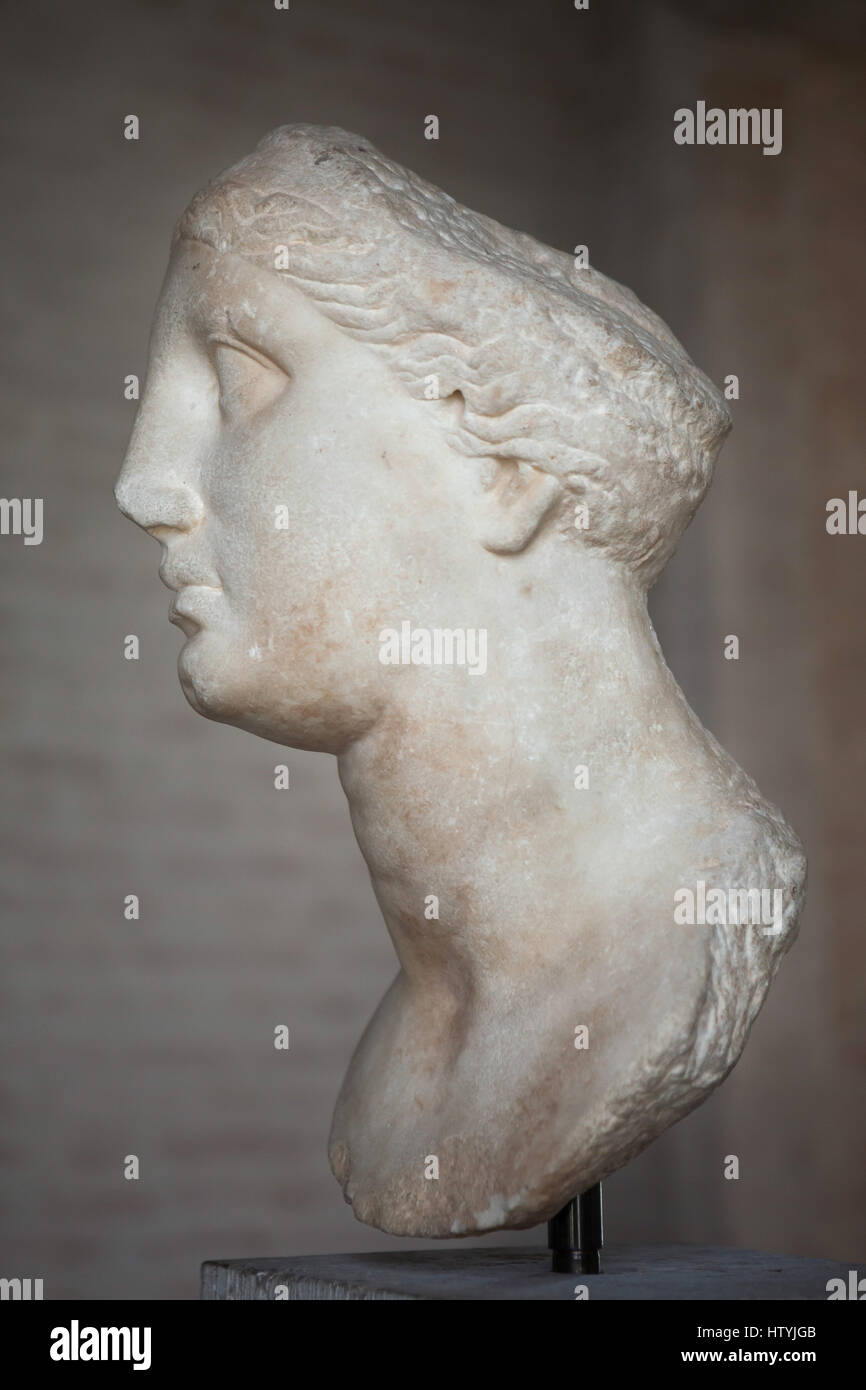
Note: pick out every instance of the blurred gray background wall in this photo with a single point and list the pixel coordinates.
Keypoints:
(155, 1037)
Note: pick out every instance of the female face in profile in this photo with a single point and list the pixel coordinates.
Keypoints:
(323, 448)
(300, 497)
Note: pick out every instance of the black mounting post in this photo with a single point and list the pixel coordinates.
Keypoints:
(575, 1235)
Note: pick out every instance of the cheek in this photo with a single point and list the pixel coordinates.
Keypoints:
(307, 519)
(251, 507)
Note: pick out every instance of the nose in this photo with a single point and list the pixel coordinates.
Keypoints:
(150, 492)
(158, 506)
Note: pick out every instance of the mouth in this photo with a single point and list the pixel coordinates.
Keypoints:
(191, 605)
(187, 625)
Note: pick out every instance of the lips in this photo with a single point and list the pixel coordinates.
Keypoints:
(194, 596)
(189, 626)
(178, 575)
(192, 606)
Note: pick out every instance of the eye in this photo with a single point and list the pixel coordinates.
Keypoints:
(247, 381)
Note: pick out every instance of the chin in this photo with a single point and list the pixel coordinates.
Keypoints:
(207, 682)
(221, 687)
(217, 691)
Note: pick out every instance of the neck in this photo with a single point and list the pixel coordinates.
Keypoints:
(464, 799)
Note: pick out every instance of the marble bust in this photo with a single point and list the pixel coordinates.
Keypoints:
(413, 474)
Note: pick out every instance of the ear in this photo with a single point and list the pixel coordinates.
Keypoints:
(516, 499)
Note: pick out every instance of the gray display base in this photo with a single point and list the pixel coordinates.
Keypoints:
(630, 1271)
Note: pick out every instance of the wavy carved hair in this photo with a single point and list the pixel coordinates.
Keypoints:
(558, 367)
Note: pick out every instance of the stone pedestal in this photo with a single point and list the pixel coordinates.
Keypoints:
(661, 1272)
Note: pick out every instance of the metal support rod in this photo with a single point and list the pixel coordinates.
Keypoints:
(576, 1234)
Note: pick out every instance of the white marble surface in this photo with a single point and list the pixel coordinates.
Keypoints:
(368, 410)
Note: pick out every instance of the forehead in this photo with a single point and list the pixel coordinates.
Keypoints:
(208, 291)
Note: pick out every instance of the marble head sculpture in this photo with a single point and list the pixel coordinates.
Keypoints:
(413, 474)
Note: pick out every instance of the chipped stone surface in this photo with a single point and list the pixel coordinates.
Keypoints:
(378, 425)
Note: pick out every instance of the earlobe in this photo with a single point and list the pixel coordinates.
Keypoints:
(515, 506)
